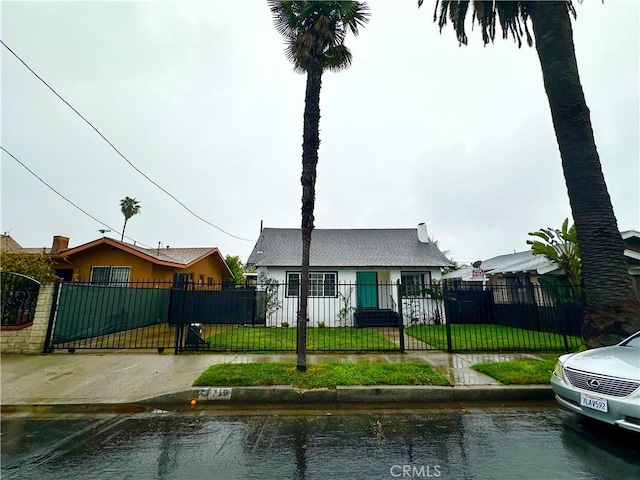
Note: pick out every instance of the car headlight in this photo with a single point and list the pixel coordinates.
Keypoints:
(557, 370)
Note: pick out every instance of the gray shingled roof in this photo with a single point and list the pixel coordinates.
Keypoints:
(395, 247)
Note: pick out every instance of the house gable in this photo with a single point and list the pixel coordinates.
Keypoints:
(206, 264)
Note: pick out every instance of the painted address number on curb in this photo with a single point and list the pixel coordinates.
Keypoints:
(215, 393)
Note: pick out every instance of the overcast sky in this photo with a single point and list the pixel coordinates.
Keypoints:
(200, 97)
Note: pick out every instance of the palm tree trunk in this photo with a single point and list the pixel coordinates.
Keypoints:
(310, 144)
(612, 310)
(124, 227)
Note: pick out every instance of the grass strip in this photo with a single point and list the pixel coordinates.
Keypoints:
(284, 339)
(518, 372)
(319, 375)
(492, 338)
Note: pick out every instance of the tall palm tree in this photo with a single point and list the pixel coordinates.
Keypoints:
(314, 34)
(613, 306)
(129, 207)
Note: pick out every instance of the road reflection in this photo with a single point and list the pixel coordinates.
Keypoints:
(475, 443)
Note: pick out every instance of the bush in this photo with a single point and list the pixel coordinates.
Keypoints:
(35, 265)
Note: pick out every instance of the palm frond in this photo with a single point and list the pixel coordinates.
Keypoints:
(338, 58)
(512, 16)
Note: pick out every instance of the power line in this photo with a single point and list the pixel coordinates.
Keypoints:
(67, 200)
(118, 151)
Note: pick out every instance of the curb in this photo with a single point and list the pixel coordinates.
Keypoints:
(392, 395)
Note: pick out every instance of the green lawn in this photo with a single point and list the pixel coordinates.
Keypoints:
(284, 339)
(491, 338)
(328, 375)
(518, 372)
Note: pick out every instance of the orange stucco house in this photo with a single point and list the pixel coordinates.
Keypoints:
(108, 261)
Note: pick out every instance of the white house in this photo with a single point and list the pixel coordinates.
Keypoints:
(354, 273)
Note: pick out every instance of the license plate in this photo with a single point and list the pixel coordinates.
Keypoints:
(593, 402)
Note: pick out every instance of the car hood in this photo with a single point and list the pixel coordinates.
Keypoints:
(616, 361)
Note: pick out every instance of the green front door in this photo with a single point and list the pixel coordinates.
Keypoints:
(367, 289)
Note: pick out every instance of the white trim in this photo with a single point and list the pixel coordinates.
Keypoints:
(632, 254)
(552, 267)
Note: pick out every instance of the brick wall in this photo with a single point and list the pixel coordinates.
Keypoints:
(30, 339)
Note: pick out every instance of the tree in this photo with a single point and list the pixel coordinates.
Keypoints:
(560, 246)
(237, 268)
(129, 207)
(612, 304)
(34, 265)
(314, 34)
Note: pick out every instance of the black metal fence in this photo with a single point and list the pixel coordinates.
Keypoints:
(19, 298)
(341, 317)
(116, 316)
(552, 308)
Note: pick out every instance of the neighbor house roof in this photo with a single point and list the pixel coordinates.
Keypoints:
(510, 263)
(45, 250)
(396, 247)
(520, 262)
(170, 257)
(9, 245)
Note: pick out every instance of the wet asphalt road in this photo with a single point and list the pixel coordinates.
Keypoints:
(475, 443)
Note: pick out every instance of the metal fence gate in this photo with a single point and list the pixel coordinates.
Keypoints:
(144, 315)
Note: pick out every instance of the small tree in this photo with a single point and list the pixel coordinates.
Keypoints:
(271, 302)
(346, 308)
(436, 292)
(560, 246)
(129, 207)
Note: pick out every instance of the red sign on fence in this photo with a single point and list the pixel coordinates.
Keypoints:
(477, 274)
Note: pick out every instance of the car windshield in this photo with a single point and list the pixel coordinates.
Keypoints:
(632, 342)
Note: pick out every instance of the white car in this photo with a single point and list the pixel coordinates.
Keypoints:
(602, 383)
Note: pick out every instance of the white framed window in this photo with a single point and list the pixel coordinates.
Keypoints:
(293, 284)
(110, 275)
(414, 284)
(321, 284)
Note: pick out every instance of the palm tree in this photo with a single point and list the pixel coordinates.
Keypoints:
(613, 307)
(129, 207)
(314, 34)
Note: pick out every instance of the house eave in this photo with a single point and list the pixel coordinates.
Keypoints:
(354, 267)
(632, 254)
(65, 254)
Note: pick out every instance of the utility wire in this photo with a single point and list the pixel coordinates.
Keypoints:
(118, 151)
(67, 200)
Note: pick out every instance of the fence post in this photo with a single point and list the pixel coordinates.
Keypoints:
(447, 323)
(52, 316)
(180, 320)
(400, 317)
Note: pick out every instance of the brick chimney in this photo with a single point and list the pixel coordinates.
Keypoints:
(59, 244)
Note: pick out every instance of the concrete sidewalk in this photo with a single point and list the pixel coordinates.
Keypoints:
(147, 378)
